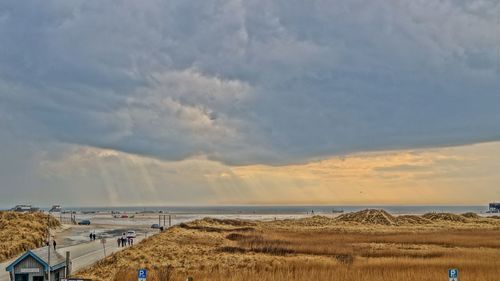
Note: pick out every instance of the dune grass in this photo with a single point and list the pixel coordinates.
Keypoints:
(238, 251)
(20, 232)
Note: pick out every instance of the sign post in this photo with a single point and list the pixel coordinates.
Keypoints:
(142, 274)
(103, 242)
(453, 274)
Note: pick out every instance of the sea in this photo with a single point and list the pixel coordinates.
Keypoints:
(280, 209)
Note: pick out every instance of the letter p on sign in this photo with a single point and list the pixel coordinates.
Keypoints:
(453, 274)
(142, 274)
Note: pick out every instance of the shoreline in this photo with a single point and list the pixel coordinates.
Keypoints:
(271, 209)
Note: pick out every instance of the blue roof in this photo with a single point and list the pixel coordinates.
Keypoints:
(40, 255)
(25, 255)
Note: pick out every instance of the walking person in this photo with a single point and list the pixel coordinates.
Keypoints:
(90, 236)
(119, 241)
(93, 236)
(54, 244)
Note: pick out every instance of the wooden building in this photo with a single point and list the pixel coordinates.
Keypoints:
(494, 208)
(34, 266)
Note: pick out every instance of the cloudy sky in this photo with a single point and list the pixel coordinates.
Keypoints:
(249, 102)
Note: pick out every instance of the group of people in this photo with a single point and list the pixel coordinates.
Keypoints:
(123, 241)
(54, 243)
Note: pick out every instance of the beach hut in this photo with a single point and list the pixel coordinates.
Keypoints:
(34, 266)
(494, 208)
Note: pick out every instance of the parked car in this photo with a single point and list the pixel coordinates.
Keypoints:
(155, 226)
(84, 222)
(131, 234)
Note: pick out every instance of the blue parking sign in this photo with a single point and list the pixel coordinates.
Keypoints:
(142, 273)
(453, 273)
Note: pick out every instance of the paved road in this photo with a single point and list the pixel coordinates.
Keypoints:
(82, 255)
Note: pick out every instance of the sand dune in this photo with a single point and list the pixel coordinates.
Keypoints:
(315, 248)
(445, 217)
(471, 215)
(23, 231)
(370, 216)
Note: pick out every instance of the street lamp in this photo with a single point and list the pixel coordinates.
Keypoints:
(48, 245)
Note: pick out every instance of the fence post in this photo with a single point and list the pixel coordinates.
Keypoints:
(68, 264)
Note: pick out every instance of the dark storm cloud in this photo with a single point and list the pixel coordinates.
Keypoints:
(250, 81)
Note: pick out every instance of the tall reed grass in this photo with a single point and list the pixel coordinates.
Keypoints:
(277, 255)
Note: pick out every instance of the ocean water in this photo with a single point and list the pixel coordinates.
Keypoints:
(286, 210)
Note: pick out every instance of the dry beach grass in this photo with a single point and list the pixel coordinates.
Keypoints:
(368, 245)
(23, 231)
